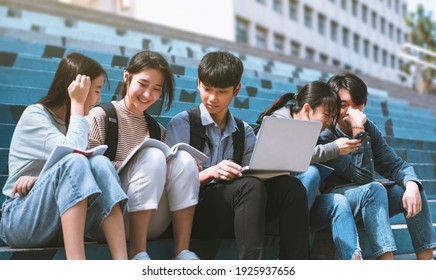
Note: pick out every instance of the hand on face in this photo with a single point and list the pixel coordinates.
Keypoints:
(79, 89)
(355, 118)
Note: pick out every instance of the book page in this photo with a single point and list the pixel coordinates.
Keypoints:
(168, 152)
(148, 142)
(63, 150)
(196, 154)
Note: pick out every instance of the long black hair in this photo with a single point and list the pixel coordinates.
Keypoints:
(316, 93)
(69, 67)
(152, 60)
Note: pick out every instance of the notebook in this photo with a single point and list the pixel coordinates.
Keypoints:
(283, 146)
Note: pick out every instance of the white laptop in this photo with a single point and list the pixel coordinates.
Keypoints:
(283, 145)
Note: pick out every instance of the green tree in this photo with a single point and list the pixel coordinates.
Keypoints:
(423, 34)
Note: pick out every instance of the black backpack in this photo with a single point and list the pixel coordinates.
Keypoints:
(198, 137)
(112, 129)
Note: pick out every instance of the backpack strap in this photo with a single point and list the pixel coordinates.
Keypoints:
(198, 137)
(112, 129)
(153, 127)
(238, 141)
(197, 132)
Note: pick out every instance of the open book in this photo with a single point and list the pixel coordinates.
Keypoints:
(169, 152)
(63, 150)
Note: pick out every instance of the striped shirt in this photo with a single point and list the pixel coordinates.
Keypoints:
(132, 129)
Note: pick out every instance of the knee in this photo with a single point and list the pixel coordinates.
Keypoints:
(312, 173)
(340, 203)
(100, 162)
(252, 188)
(75, 162)
(310, 179)
(290, 187)
(184, 163)
(376, 192)
(153, 159)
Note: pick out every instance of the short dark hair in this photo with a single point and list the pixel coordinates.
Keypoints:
(352, 83)
(220, 69)
(152, 60)
(69, 67)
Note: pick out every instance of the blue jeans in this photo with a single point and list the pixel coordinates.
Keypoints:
(311, 181)
(333, 211)
(420, 227)
(369, 203)
(35, 219)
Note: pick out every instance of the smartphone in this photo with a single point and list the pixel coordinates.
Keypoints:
(360, 135)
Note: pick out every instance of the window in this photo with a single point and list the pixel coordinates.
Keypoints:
(293, 10)
(261, 2)
(344, 4)
(261, 36)
(382, 25)
(345, 35)
(277, 6)
(334, 31)
(310, 54)
(391, 31)
(336, 63)
(279, 43)
(385, 58)
(406, 37)
(366, 48)
(308, 16)
(398, 36)
(321, 24)
(397, 6)
(354, 8)
(374, 20)
(241, 31)
(389, 3)
(393, 59)
(295, 48)
(323, 58)
(356, 43)
(375, 53)
(404, 10)
(364, 13)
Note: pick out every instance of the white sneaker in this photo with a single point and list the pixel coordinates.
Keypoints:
(141, 256)
(186, 255)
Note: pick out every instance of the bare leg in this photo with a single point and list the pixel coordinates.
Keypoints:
(425, 255)
(73, 229)
(113, 228)
(182, 226)
(138, 228)
(386, 256)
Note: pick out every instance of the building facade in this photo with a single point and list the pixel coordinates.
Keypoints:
(361, 36)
